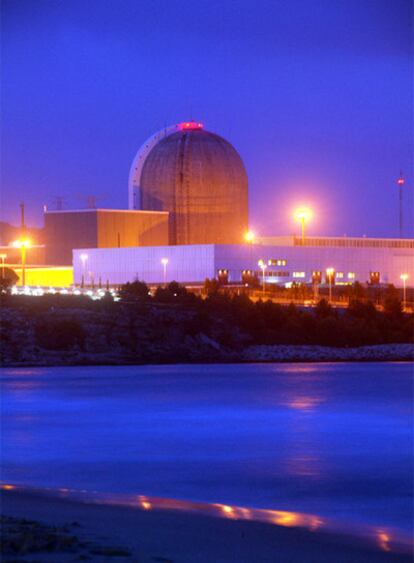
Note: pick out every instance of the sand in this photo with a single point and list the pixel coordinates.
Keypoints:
(99, 533)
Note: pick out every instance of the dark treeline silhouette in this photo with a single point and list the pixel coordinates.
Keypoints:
(265, 322)
(230, 319)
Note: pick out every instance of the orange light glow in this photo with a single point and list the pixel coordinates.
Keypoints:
(144, 503)
(383, 540)
(303, 214)
(227, 509)
(286, 518)
(249, 236)
(8, 487)
(304, 403)
(21, 243)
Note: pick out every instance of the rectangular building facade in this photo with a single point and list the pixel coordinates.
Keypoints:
(284, 263)
(101, 228)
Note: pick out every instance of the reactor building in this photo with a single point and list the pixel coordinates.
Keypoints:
(199, 178)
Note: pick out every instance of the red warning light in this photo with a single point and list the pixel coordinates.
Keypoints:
(401, 181)
(191, 125)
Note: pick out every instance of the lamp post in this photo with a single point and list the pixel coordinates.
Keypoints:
(302, 215)
(3, 258)
(83, 258)
(404, 278)
(330, 273)
(249, 238)
(164, 262)
(400, 184)
(263, 267)
(23, 244)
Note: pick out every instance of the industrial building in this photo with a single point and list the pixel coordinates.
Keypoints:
(285, 260)
(187, 219)
(101, 228)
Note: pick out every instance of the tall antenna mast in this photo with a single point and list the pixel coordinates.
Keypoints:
(22, 223)
(400, 184)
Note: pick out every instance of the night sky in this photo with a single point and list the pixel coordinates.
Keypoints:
(316, 95)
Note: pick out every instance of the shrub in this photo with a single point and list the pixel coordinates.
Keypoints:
(59, 335)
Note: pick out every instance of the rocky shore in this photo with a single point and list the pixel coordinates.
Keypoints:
(152, 334)
(376, 353)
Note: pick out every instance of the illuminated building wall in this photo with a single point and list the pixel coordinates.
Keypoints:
(46, 276)
(284, 263)
(101, 228)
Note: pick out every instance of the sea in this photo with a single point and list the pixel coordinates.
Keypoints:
(331, 440)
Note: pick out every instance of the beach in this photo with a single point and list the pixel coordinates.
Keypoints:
(118, 533)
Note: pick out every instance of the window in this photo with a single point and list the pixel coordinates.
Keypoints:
(298, 274)
(317, 276)
(223, 275)
(351, 275)
(374, 278)
(277, 262)
(272, 274)
(339, 275)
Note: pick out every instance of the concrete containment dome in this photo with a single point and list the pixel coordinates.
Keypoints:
(200, 179)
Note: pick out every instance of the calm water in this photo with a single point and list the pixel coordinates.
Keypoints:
(328, 439)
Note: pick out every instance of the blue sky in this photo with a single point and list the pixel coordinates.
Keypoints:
(316, 95)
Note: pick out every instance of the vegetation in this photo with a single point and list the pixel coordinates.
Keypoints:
(8, 279)
(173, 324)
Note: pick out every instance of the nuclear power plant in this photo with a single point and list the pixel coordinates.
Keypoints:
(187, 221)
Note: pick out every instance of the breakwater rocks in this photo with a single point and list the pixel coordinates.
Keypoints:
(149, 334)
(376, 353)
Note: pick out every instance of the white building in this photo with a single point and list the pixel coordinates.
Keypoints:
(286, 260)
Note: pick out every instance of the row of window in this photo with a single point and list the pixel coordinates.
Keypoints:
(354, 243)
(273, 274)
(278, 262)
(316, 274)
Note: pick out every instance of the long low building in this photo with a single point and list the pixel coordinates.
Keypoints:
(283, 260)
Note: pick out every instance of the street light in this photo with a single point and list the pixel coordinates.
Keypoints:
(404, 278)
(303, 214)
(164, 262)
(249, 237)
(23, 244)
(263, 267)
(3, 258)
(83, 258)
(330, 274)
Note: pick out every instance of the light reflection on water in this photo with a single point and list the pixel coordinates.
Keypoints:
(385, 540)
(332, 440)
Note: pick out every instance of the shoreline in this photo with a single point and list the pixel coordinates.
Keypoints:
(259, 354)
(148, 533)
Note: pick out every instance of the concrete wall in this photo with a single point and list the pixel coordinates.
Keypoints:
(101, 228)
(200, 179)
(65, 230)
(119, 265)
(34, 255)
(131, 228)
